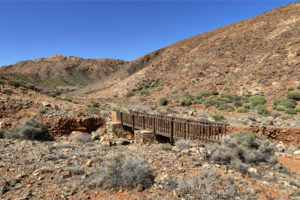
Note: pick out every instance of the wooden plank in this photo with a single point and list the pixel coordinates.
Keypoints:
(133, 127)
(143, 122)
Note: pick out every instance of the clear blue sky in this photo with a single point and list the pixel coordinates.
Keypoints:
(111, 29)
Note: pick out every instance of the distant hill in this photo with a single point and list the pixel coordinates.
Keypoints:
(257, 55)
(62, 71)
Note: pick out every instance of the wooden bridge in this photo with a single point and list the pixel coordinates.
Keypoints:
(174, 127)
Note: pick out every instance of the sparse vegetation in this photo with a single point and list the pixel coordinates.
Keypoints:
(67, 99)
(145, 91)
(29, 130)
(162, 101)
(75, 171)
(286, 117)
(181, 143)
(290, 89)
(218, 117)
(185, 101)
(262, 110)
(123, 173)
(243, 147)
(226, 107)
(14, 83)
(93, 104)
(7, 91)
(242, 110)
(129, 94)
(209, 184)
(291, 111)
(295, 96)
(166, 146)
(287, 103)
(280, 108)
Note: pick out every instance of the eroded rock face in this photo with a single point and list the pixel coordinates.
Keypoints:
(64, 126)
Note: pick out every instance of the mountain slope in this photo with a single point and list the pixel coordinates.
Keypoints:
(258, 55)
(59, 70)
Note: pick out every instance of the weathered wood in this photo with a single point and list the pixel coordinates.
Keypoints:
(133, 125)
(171, 131)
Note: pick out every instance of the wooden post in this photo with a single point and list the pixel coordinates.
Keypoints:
(143, 122)
(184, 130)
(171, 131)
(133, 128)
(121, 118)
(153, 126)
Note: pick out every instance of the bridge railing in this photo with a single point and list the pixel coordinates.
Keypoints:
(174, 127)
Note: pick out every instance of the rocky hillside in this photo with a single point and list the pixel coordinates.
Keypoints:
(59, 70)
(257, 55)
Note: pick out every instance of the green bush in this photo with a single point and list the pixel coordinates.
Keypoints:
(231, 96)
(291, 111)
(281, 108)
(284, 102)
(29, 130)
(137, 88)
(242, 110)
(286, 117)
(145, 91)
(262, 110)
(297, 109)
(162, 101)
(226, 107)
(257, 100)
(295, 96)
(237, 104)
(298, 87)
(129, 94)
(204, 93)
(248, 105)
(218, 117)
(115, 95)
(67, 99)
(290, 89)
(185, 101)
(93, 104)
(14, 83)
(212, 102)
(243, 147)
(7, 91)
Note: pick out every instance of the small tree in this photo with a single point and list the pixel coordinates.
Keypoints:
(162, 101)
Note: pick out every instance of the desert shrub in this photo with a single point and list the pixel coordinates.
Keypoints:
(262, 110)
(243, 147)
(7, 91)
(286, 117)
(75, 170)
(284, 102)
(209, 185)
(123, 172)
(226, 107)
(145, 91)
(290, 89)
(204, 93)
(1, 133)
(29, 86)
(295, 96)
(185, 101)
(257, 100)
(212, 102)
(297, 109)
(137, 88)
(280, 108)
(115, 95)
(166, 146)
(226, 100)
(14, 83)
(248, 105)
(181, 143)
(67, 99)
(29, 130)
(159, 88)
(298, 87)
(242, 110)
(162, 101)
(218, 117)
(231, 96)
(237, 104)
(93, 104)
(291, 111)
(129, 94)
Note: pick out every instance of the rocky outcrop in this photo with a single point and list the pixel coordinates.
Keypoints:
(65, 126)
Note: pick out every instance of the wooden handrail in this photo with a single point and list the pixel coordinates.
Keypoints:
(174, 127)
